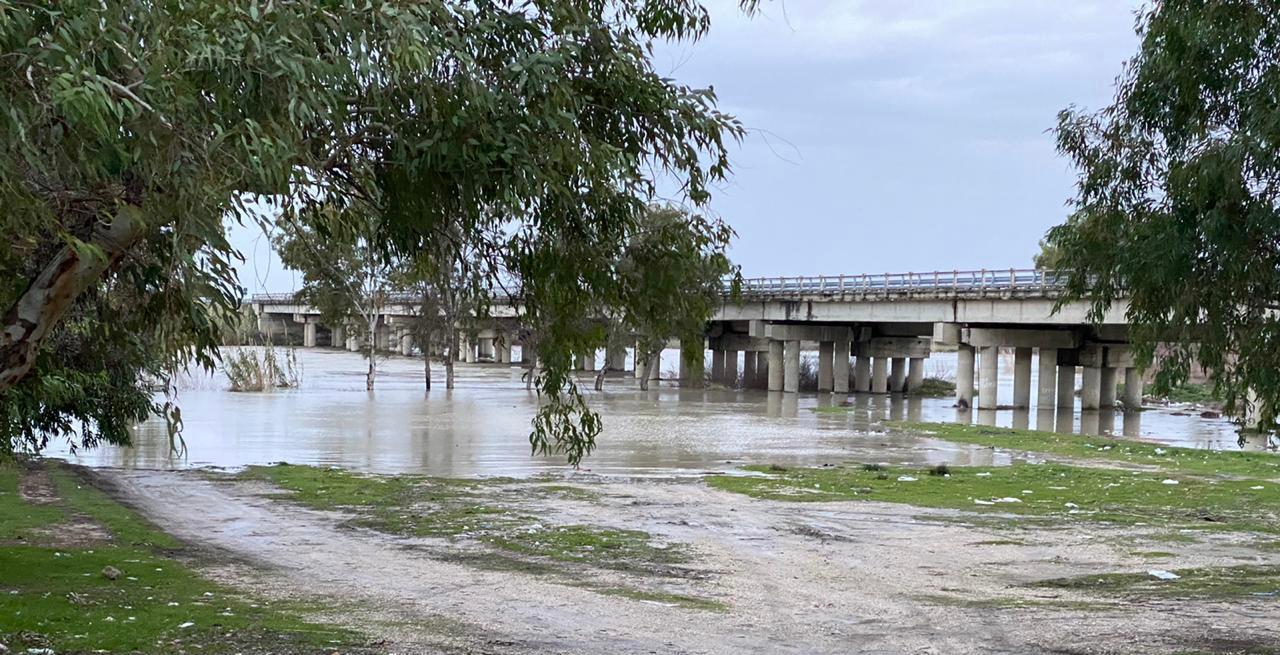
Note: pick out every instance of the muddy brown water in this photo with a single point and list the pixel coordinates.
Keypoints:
(482, 426)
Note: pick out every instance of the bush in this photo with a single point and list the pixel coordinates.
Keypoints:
(936, 388)
(247, 372)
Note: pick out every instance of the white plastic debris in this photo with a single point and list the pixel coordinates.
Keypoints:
(1163, 574)
(983, 474)
(1258, 488)
(1169, 481)
(188, 624)
(982, 502)
(906, 478)
(1160, 451)
(1070, 505)
(1008, 499)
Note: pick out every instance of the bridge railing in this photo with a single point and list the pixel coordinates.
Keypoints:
(980, 282)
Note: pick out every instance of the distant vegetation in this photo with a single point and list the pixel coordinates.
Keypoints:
(247, 371)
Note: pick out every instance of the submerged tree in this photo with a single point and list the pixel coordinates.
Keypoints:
(1177, 203)
(345, 274)
(540, 121)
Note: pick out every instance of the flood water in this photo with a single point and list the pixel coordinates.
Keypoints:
(482, 426)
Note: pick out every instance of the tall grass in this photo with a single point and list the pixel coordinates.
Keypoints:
(249, 372)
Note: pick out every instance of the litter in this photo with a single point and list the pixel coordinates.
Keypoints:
(1169, 481)
(906, 478)
(1162, 574)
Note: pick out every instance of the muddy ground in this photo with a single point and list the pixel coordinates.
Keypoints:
(840, 577)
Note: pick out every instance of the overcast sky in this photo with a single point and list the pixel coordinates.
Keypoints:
(887, 135)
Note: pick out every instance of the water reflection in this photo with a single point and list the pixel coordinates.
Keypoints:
(482, 427)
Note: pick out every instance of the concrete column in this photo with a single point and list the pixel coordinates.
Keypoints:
(656, 373)
(748, 369)
(731, 368)
(964, 376)
(915, 374)
(791, 374)
(880, 375)
(502, 352)
(616, 358)
(338, 337)
(775, 365)
(1132, 390)
(762, 369)
(1066, 386)
(898, 374)
(486, 348)
(380, 336)
(639, 363)
(309, 334)
(1021, 378)
(1091, 388)
(826, 352)
(1047, 379)
(862, 374)
(353, 343)
(717, 366)
(406, 344)
(1107, 387)
(840, 367)
(989, 377)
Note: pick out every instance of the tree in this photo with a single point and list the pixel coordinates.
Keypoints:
(1177, 197)
(1049, 258)
(132, 130)
(344, 273)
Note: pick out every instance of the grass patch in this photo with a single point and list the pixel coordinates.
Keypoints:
(1202, 394)
(664, 598)
(935, 388)
(486, 513)
(1056, 491)
(1259, 465)
(1152, 554)
(55, 596)
(1213, 582)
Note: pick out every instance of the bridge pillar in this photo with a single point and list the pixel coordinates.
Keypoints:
(353, 343)
(1022, 377)
(1066, 384)
(338, 337)
(826, 352)
(775, 365)
(879, 375)
(989, 377)
(1047, 378)
(1091, 388)
(717, 366)
(762, 369)
(730, 368)
(964, 376)
(748, 369)
(1107, 387)
(862, 374)
(638, 363)
(692, 362)
(791, 365)
(898, 374)
(468, 350)
(406, 344)
(586, 362)
(309, 334)
(840, 367)
(915, 374)
(1132, 389)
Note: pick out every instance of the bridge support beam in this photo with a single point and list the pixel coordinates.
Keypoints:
(775, 365)
(989, 377)
(1022, 377)
(730, 368)
(880, 375)
(717, 366)
(898, 374)
(1106, 387)
(840, 367)
(309, 334)
(616, 358)
(762, 369)
(862, 374)
(406, 344)
(353, 343)
(915, 374)
(1066, 384)
(468, 350)
(1091, 388)
(791, 372)
(338, 337)
(748, 369)
(1132, 389)
(826, 352)
(1047, 378)
(964, 376)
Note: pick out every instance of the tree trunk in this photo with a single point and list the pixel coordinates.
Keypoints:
(426, 364)
(448, 358)
(372, 354)
(653, 359)
(30, 319)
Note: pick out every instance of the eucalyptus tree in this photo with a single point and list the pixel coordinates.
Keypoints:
(345, 274)
(1177, 196)
(131, 130)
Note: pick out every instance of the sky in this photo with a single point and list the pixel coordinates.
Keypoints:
(885, 135)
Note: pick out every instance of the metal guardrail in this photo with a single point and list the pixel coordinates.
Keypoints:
(1025, 281)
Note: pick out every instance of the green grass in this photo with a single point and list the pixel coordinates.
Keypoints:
(936, 388)
(488, 513)
(1215, 582)
(1057, 491)
(55, 596)
(1258, 465)
(663, 597)
(1193, 393)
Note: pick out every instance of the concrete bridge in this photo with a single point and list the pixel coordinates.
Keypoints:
(881, 327)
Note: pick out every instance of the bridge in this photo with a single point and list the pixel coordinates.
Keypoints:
(880, 327)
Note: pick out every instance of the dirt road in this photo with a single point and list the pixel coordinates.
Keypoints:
(796, 577)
